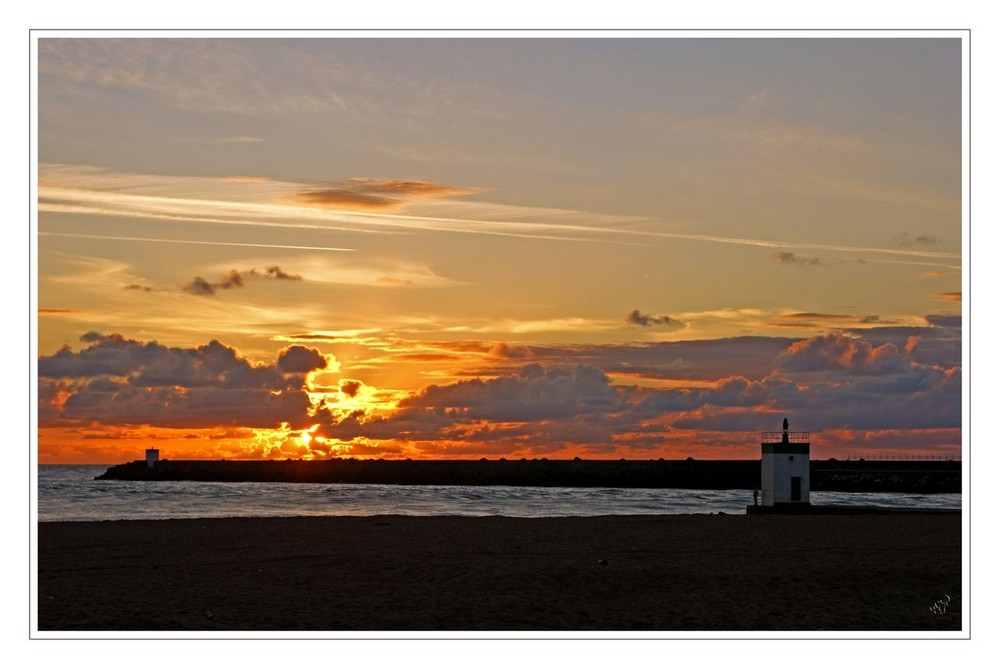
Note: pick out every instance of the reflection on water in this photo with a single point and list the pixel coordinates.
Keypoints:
(70, 493)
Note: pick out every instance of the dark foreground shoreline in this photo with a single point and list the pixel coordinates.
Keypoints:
(923, 477)
(395, 573)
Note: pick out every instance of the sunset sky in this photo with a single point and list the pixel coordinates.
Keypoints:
(521, 247)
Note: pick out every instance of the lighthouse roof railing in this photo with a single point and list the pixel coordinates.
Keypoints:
(779, 437)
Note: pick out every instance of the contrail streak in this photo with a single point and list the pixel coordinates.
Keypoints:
(190, 241)
(76, 201)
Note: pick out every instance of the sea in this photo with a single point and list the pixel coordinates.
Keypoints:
(70, 493)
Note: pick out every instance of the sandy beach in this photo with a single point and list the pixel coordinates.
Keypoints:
(394, 573)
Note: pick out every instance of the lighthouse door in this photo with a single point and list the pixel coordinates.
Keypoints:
(796, 488)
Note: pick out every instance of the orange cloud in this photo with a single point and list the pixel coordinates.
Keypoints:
(835, 351)
(342, 199)
(410, 188)
(393, 281)
(373, 194)
(955, 296)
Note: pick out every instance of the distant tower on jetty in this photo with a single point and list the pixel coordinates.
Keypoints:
(152, 456)
(784, 467)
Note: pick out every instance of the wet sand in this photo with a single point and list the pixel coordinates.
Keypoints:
(393, 573)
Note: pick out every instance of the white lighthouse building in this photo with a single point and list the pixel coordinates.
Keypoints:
(784, 467)
(152, 456)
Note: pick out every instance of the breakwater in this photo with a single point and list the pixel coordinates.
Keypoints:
(825, 475)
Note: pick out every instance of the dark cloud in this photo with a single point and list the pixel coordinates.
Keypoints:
(635, 317)
(838, 352)
(748, 356)
(792, 260)
(336, 197)
(52, 395)
(939, 345)
(881, 378)
(350, 387)
(374, 194)
(232, 280)
(502, 350)
(114, 339)
(275, 272)
(920, 398)
(902, 379)
(136, 286)
(945, 320)
(104, 385)
(537, 407)
(813, 316)
(478, 415)
(307, 336)
(808, 319)
(534, 393)
(198, 286)
(736, 391)
(906, 240)
(236, 279)
(300, 359)
(119, 381)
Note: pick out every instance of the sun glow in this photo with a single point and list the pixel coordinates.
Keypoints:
(309, 436)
